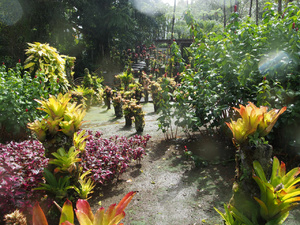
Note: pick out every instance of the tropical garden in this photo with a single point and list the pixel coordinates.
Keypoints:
(237, 83)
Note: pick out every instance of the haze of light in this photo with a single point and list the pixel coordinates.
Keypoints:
(10, 12)
(152, 7)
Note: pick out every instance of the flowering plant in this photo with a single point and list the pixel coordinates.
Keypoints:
(253, 120)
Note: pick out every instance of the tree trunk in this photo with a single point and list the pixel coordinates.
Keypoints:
(224, 15)
(279, 6)
(250, 8)
(244, 187)
(256, 12)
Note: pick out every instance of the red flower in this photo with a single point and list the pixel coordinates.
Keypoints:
(19, 60)
(26, 110)
(265, 78)
(235, 8)
(165, 75)
(3, 63)
(293, 25)
(57, 80)
(40, 81)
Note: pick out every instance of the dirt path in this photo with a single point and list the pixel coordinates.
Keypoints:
(171, 190)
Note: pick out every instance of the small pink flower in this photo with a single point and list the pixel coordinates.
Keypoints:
(19, 60)
(26, 110)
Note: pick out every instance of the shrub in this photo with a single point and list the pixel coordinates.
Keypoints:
(17, 106)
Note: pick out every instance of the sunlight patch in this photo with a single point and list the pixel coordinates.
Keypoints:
(273, 62)
(150, 7)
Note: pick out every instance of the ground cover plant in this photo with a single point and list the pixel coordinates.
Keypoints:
(23, 165)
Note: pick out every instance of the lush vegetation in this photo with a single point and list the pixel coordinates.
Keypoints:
(23, 165)
(248, 63)
(245, 63)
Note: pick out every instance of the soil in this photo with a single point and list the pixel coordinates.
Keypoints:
(170, 188)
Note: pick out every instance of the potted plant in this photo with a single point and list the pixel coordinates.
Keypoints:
(155, 92)
(128, 111)
(139, 118)
(117, 103)
(107, 98)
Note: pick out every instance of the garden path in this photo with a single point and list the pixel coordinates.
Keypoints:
(171, 190)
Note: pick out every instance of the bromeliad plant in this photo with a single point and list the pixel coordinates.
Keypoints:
(278, 196)
(255, 123)
(58, 127)
(253, 120)
(113, 215)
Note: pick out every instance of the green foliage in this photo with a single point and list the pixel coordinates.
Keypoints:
(92, 88)
(65, 161)
(56, 187)
(246, 63)
(166, 107)
(17, 106)
(86, 185)
(126, 78)
(278, 195)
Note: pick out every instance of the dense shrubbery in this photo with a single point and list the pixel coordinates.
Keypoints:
(245, 63)
(23, 163)
(17, 106)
